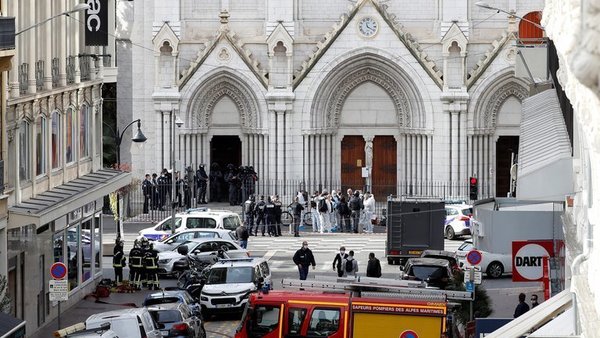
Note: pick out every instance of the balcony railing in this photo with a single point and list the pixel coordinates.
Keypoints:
(23, 78)
(71, 70)
(39, 74)
(84, 67)
(7, 33)
(55, 72)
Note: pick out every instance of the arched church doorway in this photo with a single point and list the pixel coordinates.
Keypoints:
(224, 150)
(352, 161)
(384, 173)
(506, 147)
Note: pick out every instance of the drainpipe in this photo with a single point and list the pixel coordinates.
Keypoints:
(587, 248)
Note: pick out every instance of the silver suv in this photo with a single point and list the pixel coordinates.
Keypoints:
(230, 281)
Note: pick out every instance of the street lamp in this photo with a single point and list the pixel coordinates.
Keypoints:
(175, 121)
(485, 5)
(137, 138)
(77, 8)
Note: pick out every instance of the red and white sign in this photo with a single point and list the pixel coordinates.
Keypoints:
(474, 257)
(528, 259)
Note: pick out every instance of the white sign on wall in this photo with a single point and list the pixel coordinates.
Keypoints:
(59, 290)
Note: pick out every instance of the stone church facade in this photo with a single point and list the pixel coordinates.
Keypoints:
(421, 95)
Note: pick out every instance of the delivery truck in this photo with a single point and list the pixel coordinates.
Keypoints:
(413, 226)
(346, 310)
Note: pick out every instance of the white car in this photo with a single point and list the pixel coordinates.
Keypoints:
(202, 248)
(494, 265)
(458, 220)
(201, 218)
(230, 281)
(172, 241)
(131, 323)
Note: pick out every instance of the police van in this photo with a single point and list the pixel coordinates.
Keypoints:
(201, 218)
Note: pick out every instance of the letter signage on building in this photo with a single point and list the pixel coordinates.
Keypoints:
(96, 23)
(528, 259)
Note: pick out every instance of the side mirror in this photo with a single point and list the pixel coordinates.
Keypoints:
(183, 250)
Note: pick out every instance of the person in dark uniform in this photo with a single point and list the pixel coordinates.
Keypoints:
(136, 265)
(147, 191)
(303, 258)
(119, 260)
(201, 182)
(232, 179)
(144, 273)
(259, 211)
(270, 217)
(278, 212)
(187, 193)
(522, 307)
(155, 199)
(151, 267)
(249, 213)
(216, 180)
(163, 187)
(297, 211)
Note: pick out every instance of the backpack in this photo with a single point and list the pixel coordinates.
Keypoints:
(322, 206)
(349, 265)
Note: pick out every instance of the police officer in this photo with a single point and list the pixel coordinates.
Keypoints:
(136, 264)
(270, 217)
(147, 191)
(201, 181)
(163, 187)
(259, 211)
(151, 267)
(249, 213)
(118, 260)
(216, 180)
(233, 180)
(278, 212)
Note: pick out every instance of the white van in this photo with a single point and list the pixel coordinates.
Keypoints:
(130, 323)
(201, 218)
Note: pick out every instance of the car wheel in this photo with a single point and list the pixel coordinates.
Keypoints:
(450, 233)
(495, 270)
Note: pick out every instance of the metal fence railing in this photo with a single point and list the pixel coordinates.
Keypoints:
(159, 206)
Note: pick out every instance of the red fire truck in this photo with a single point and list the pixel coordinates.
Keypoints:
(347, 309)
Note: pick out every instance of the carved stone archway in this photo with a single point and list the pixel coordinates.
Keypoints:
(492, 108)
(209, 94)
(345, 77)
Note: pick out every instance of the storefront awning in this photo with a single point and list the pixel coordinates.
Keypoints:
(536, 317)
(11, 327)
(52, 204)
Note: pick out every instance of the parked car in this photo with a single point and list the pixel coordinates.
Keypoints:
(176, 320)
(201, 218)
(434, 271)
(172, 241)
(80, 331)
(493, 264)
(441, 254)
(173, 296)
(458, 220)
(130, 323)
(229, 283)
(200, 248)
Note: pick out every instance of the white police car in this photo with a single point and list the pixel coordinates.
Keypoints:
(201, 218)
(458, 220)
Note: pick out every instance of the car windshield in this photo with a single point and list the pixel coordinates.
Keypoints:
(190, 245)
(466, 246)
(422, 272)
(166, 316)
(467, 212)
(162, 300)
(230, 275)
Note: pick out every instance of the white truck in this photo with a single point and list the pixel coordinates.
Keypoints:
(500, 221)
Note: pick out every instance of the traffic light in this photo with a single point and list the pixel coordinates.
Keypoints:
(473, 188)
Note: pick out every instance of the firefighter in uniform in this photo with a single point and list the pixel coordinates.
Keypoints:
(136, 266)
(151, 267)
(118, 260)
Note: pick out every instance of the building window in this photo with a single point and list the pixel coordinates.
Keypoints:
(59, 253)
(73, 251)
(24, 150)
(71, 135)
(56, 140)
(40, 143)
(84, 131)
(87, 240)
